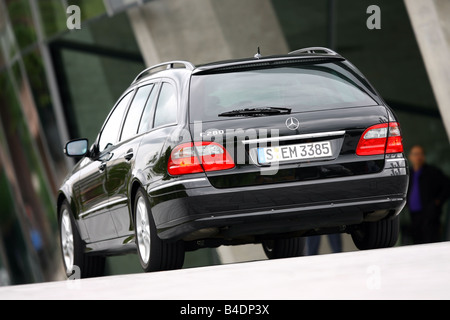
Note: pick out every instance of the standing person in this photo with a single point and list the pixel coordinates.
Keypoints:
(428, 189)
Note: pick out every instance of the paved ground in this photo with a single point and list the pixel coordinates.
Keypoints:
(410, 272)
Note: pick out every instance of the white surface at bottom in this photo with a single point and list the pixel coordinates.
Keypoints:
(410, 272)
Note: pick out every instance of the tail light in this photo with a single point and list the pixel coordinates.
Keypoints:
(380, 139)
(189, 158)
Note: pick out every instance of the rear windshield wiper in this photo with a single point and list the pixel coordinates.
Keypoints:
(256, 112)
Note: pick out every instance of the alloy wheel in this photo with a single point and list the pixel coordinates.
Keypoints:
(143, 230)
(67, 244)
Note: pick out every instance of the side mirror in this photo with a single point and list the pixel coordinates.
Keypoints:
(76, 148)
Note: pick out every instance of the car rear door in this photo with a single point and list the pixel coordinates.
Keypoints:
(157, 123)
(121, 165)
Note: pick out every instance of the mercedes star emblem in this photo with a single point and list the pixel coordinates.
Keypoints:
(292, 123)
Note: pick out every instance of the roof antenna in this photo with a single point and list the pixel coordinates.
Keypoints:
(258, 54)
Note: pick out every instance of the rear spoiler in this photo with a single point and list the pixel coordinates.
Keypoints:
(269, 62)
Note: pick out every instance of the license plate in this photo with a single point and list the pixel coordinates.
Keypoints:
(295, 152)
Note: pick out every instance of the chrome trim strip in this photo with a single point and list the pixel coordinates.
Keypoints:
(101, 206)
(174, 183)
(298, 136)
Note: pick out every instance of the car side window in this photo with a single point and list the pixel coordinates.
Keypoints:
(166, 108)
(146, 119)
(130, 126)
(110, 131)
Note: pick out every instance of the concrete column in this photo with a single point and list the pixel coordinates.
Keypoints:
(248, 24)
(204, 31)
(431, 26)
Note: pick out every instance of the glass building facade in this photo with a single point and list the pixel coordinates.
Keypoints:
(57, 84)
(48, 95)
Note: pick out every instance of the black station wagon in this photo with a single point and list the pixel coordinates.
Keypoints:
(264, 150)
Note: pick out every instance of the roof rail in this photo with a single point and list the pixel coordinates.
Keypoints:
(169, 64)
(315, 50)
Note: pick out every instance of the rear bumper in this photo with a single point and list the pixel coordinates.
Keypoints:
(181, 209)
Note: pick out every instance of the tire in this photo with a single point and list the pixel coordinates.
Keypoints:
(76, 262)
(375, 235)
(154, 254)
(284, 248)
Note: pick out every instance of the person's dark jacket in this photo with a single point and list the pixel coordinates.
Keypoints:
(434, 187)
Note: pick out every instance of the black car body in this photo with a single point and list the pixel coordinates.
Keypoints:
(202, 143)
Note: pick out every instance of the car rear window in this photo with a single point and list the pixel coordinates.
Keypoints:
(301, 88)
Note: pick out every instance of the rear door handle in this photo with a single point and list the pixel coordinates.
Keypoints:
(102, 167)
(129, 155)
